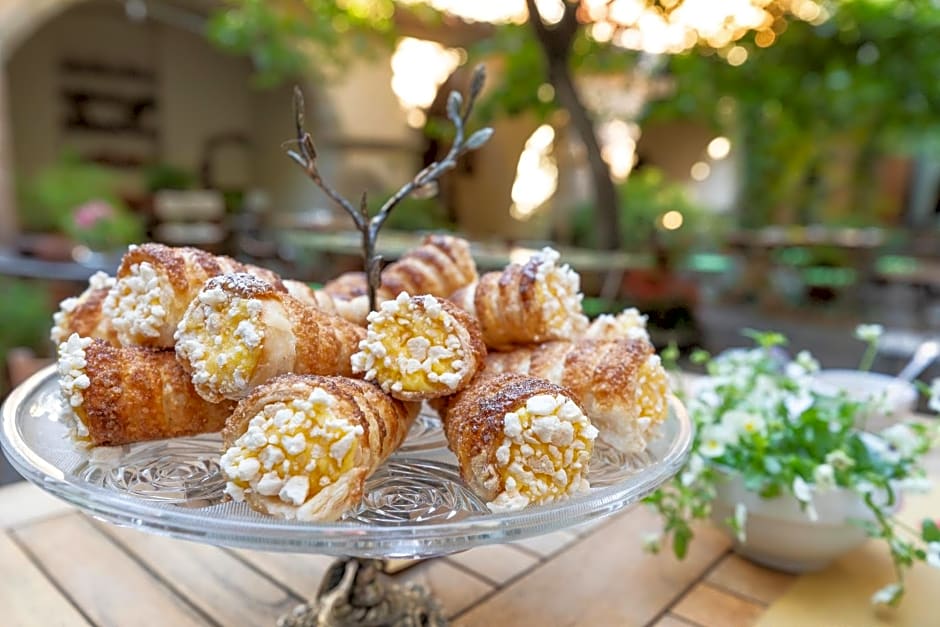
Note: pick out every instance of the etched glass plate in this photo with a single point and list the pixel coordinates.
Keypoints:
(415, 505)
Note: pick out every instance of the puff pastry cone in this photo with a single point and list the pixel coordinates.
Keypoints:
(83, 314)
(302, 446)
(440, 266)
(519, 440)
(354, 309)
(239, 332)
(119, 395)
(620, 383)
(629, 324)
(526, 303)
(420, 347)
(155, 284)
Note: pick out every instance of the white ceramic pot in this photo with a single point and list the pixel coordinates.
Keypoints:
(781, 535)
(896, 396)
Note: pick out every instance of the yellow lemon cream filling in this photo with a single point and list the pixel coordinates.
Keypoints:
(290, 452)
(544, 454)
(411, 345)
(221, 337)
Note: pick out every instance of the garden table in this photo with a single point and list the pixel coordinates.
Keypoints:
(60, 567)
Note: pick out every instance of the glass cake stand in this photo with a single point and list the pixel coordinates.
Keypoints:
(415, 505)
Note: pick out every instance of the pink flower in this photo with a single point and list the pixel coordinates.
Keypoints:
(88, 214)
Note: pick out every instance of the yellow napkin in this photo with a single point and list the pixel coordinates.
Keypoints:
(840, 595)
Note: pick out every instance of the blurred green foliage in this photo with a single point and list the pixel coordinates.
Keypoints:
(55, 199)
(161, 175)
(814, 112)
(48, 198)
(25, 315)
(287, 38)
(647, 196)
(414, 214)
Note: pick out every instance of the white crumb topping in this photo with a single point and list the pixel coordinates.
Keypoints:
(629, 324)
(98, 281)
(545, 452)
(73, 379)
(268, 458)
(138, 303)
(396, 347)
(101, 281)
(561, 294)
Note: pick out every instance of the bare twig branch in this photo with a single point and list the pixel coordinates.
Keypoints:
(306, 154)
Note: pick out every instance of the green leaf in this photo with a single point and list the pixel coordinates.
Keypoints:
(930, 530)
(680, 540)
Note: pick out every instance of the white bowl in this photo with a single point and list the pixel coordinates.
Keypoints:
(894, 397)
(780, 535)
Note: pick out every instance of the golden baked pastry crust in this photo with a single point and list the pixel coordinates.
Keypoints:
(385, 423)
(138, 394)
(289, 336)
(620, 383)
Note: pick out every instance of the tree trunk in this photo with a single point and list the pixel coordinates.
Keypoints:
(556, 47)
(606, 201)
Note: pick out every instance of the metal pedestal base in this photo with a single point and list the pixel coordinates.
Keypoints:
(353, 593)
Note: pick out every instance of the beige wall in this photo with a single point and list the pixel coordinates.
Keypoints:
(201, 93)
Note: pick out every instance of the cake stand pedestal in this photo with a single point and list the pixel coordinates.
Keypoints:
(353, 593)
(414, 506)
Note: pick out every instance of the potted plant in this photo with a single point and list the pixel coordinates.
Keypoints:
(79, 202)
(785, 469)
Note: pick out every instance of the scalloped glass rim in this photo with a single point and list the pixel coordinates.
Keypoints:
(340, 538)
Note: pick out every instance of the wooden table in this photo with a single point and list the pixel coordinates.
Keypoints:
(60, 567)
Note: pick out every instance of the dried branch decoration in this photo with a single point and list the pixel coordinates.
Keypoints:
(305, 155)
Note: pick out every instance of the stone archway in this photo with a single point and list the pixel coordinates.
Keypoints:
(18, 20)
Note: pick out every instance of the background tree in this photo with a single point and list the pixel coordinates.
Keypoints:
(813, 113)
(550, 41)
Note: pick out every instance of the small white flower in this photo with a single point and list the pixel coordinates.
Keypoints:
(712, 448)
(802, 490)
(824, 477)
(933, 401)
(933, 554)
(798, 403)
(807, 361)
(740, 522)
(839, 459)
(902, 438)
(714, 439)
(804, 494)
(692, 470)
(888, 595)
(744, 423)
(651, 541)
(869, 332)
(879, 448)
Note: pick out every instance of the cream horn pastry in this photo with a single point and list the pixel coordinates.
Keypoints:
(420, 347)
(302, 446)
(519, 441)
(154, 286)
(240, 332)
(621, 384)
(354, 309)
(120, 395)
(84, 315)
(440, 266)
(528, 303)
(629, 324)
